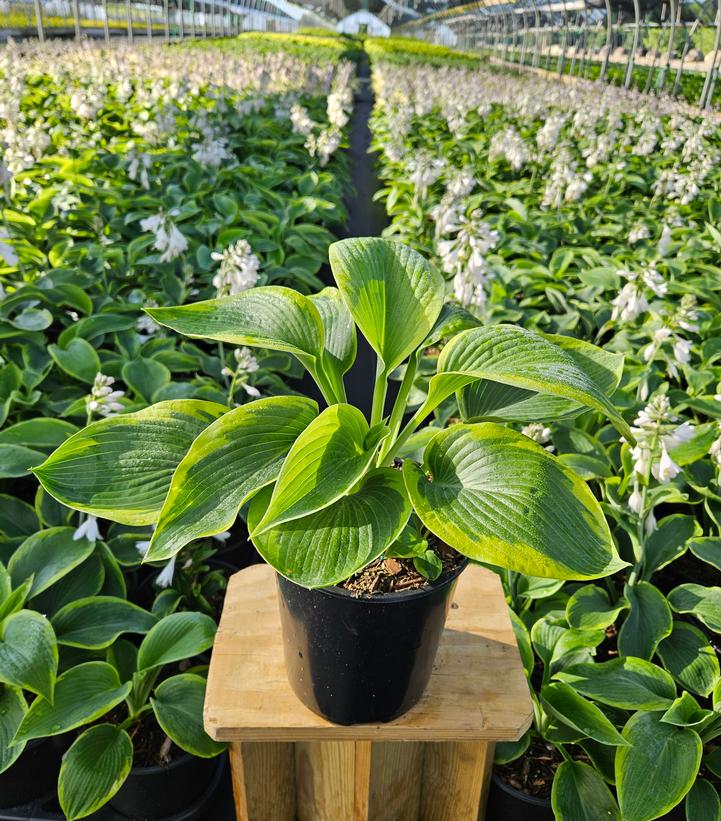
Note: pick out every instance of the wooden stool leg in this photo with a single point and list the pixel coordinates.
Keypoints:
(358, 781)
(263, 781)
(325, 780)
(388, 780)
(456, 776)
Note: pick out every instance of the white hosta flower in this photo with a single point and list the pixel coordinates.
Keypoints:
(88, 530)
(85, 104)
(246, 360)
(211, 152)
(7, 252)
(461, 183)
(665, 469)
(509, 145)
(146, 326)
(664, 243)
(103, 400)
(139, 167)
(165, 577)
(337, 109)
(653, 280)
(238, 269)
(650, 524)
(629, 303)
(679, 436)
(547, 136)
(64, 201)
(246, 364)
(660, 335)
(470, 292)
(655, 436)
(446, 215)
(300, 120)
(463, 257)
(686, 316)
(682, 350)
(168, 237)
(635, 500)
(326, 144)
(638, 232)
(539, 433)
(423, 170)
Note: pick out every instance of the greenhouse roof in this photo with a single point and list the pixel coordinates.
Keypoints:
(403, 11)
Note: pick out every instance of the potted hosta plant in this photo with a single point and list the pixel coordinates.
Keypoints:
(124, 714)
(326, 492)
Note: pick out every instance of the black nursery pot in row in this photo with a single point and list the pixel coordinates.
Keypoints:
(178, 791)
(362, 660)
(506, 803)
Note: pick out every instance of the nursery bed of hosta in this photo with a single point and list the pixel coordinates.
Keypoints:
(591, 212)
(132, 177)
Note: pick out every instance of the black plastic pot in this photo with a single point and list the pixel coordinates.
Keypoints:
(35, 773)
(164, 791)
(361, 660)
(678, 813)
(506, 803)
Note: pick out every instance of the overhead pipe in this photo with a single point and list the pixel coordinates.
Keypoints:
(576, 42)
(634, 46)
(548, 41)
(39, 20)
(76, 18)
(656, 51)
(515, 29)
(506, 34)
(674, 19)
(684, 52)
(536, 38)
(562, 57)
(588, 55)
(609, 40)
(524, 44)
(705, 100)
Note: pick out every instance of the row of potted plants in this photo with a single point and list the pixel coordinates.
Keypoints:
(133, 177)
(590, 212)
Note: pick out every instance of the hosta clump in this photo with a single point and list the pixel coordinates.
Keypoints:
(325, 499)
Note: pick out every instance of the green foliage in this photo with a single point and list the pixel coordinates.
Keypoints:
(318, 524)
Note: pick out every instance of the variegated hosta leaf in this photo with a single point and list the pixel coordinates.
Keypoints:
(272, 317)
(120, 468)
(393, 293)
(231, 459)
(339, 336)
(498, 497)
(452, 320)
(488, 400)
(519, 358)
(327, 459)
(329, 546)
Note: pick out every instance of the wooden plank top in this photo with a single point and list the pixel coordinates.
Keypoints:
(477, 691)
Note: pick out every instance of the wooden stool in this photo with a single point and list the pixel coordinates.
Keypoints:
(433, 763)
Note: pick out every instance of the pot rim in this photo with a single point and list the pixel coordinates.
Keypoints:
(399, 595)
(154, 769)
(518, 794)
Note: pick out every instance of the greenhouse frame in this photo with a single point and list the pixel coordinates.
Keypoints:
(360, 410)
